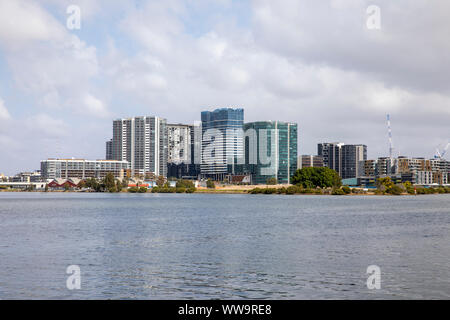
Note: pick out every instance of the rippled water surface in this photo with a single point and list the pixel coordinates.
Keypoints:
(202, 246)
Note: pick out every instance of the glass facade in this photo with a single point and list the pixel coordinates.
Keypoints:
(270, 151)
(222, 140)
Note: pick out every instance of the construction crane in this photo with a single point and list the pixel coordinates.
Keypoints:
(391, 147)
(439, 154)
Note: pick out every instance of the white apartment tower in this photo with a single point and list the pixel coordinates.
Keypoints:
(143, 142)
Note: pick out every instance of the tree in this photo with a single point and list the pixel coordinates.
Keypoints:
(110, 182)
(384, 183)
(82, 184)
(185, 184)
(46, 187)
(160, 181)
(317, 177)
(271, 181)
(210, 184)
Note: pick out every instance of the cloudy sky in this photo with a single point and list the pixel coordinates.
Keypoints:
(312, 62)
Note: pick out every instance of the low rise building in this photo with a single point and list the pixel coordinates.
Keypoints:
(308, 161)
(83, 169)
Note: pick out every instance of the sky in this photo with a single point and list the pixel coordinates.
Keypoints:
(333, 66)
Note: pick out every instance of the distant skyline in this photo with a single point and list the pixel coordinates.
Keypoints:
(315, 63)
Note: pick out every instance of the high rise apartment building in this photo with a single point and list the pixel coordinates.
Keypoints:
(184, 150)
(143, 142)
(346, 159)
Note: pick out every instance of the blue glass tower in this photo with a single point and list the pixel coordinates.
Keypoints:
(222, 141)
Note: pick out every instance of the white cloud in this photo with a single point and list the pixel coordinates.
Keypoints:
(24, 21)
(95, 106)
(45, 126)
(4, 114)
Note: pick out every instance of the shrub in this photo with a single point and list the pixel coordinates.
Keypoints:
(281, 190)
(318, 191)
(180, 190)
(346, 189)
(338, 192)
(271, 181)
(269, 190)
(291, 190)
(394, 190)
(258, 190)
(133, 190)
(142, 190)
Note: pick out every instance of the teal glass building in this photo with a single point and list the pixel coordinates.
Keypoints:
(271, 150)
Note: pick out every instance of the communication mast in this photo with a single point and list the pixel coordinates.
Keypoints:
(391, 148)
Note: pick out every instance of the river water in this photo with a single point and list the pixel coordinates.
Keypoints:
(218, 246)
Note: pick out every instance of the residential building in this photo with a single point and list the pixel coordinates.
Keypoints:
(331, 154)
(271, 151)
(184, 150)
(109, 150)
(351, 157)
(222, 141)
(28, 177)
(143, 142)
(307, 161)
(346, 159)
(82, 169)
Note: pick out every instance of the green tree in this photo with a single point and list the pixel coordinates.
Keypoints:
(317, 177)
(185, 184)
(271, 181)
(160, 181)
(82, 184)
(409, 187)
(384, 183)
(210, 184)
(110, 182)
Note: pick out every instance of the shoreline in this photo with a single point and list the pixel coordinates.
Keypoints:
(229, 191)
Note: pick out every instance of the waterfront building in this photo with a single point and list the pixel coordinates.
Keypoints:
(109, 150)
(143, 142)
(184, 150)
(271, 151)
(222, 142)
(82, 169)
(346, 159)
(331, 154)
(418, 171)
(352, 156)
(28, 177)
(308, 161)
